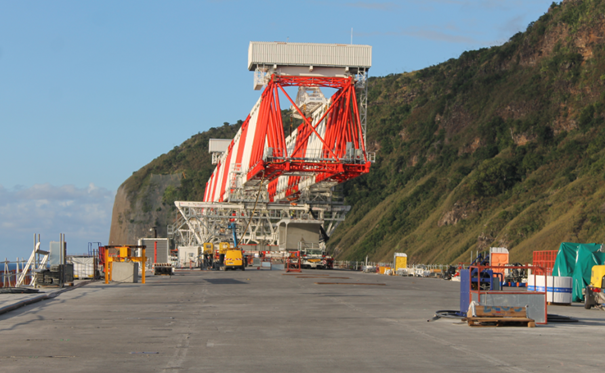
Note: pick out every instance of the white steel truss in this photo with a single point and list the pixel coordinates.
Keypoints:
(200, 222)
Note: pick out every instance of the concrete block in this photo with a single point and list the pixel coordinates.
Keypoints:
(125, 272)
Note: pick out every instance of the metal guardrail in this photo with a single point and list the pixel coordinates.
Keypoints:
(419, 270)
(11, 270)
(351, 155)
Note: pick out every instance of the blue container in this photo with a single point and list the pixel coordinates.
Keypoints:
(464, 290)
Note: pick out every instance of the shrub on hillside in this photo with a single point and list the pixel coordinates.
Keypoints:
(493, 177)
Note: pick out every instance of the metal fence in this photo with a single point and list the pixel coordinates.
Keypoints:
(85, 267)
(11, 270)
(418, 270)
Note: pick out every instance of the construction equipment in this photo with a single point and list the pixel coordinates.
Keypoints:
(594, 293)
(219, 255)
(314, 258)
(488, 279)
(124, 253)
(207, 251)
(55, 275)
(234, 259)
(515, 276)
(268, 183)
(326, 149)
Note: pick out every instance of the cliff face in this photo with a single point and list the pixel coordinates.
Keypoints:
(146, 198)
(135, 213)
(504, 146)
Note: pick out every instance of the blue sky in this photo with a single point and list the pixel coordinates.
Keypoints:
(91, 91)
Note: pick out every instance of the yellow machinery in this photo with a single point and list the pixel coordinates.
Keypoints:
(223, 247)
(596, 276)
(207, 255)
(401, 261)
(234, 259)
(208, 248)
(219, 258)
(125, 253)
(593, 294)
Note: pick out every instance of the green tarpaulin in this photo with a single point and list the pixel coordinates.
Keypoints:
(575, 260)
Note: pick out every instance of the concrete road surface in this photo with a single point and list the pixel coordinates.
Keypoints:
(264, 321)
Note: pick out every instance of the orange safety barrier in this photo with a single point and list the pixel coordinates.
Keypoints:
(545, 259)
(294, 259)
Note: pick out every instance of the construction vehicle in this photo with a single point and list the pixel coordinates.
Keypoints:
(313, 258)
(593, 293)
(219, 255)
(234, 259)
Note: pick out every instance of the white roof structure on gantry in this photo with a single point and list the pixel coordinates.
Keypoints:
(218, 145)
(352, 56)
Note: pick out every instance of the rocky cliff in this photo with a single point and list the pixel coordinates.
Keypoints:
(134, 214)
(146, 199)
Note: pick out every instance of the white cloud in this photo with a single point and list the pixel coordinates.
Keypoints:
(83, 214)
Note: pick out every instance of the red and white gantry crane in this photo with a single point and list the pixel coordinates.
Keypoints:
(298, 172)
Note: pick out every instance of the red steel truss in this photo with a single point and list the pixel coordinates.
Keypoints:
(343, 151)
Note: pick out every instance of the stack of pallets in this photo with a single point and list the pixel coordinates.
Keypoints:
(498, 316)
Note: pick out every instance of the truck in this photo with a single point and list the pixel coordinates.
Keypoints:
(234, 259)
(316, 259)
(593, 293)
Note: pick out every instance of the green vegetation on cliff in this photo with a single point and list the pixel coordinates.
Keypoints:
(500, 147)
(191, 160)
